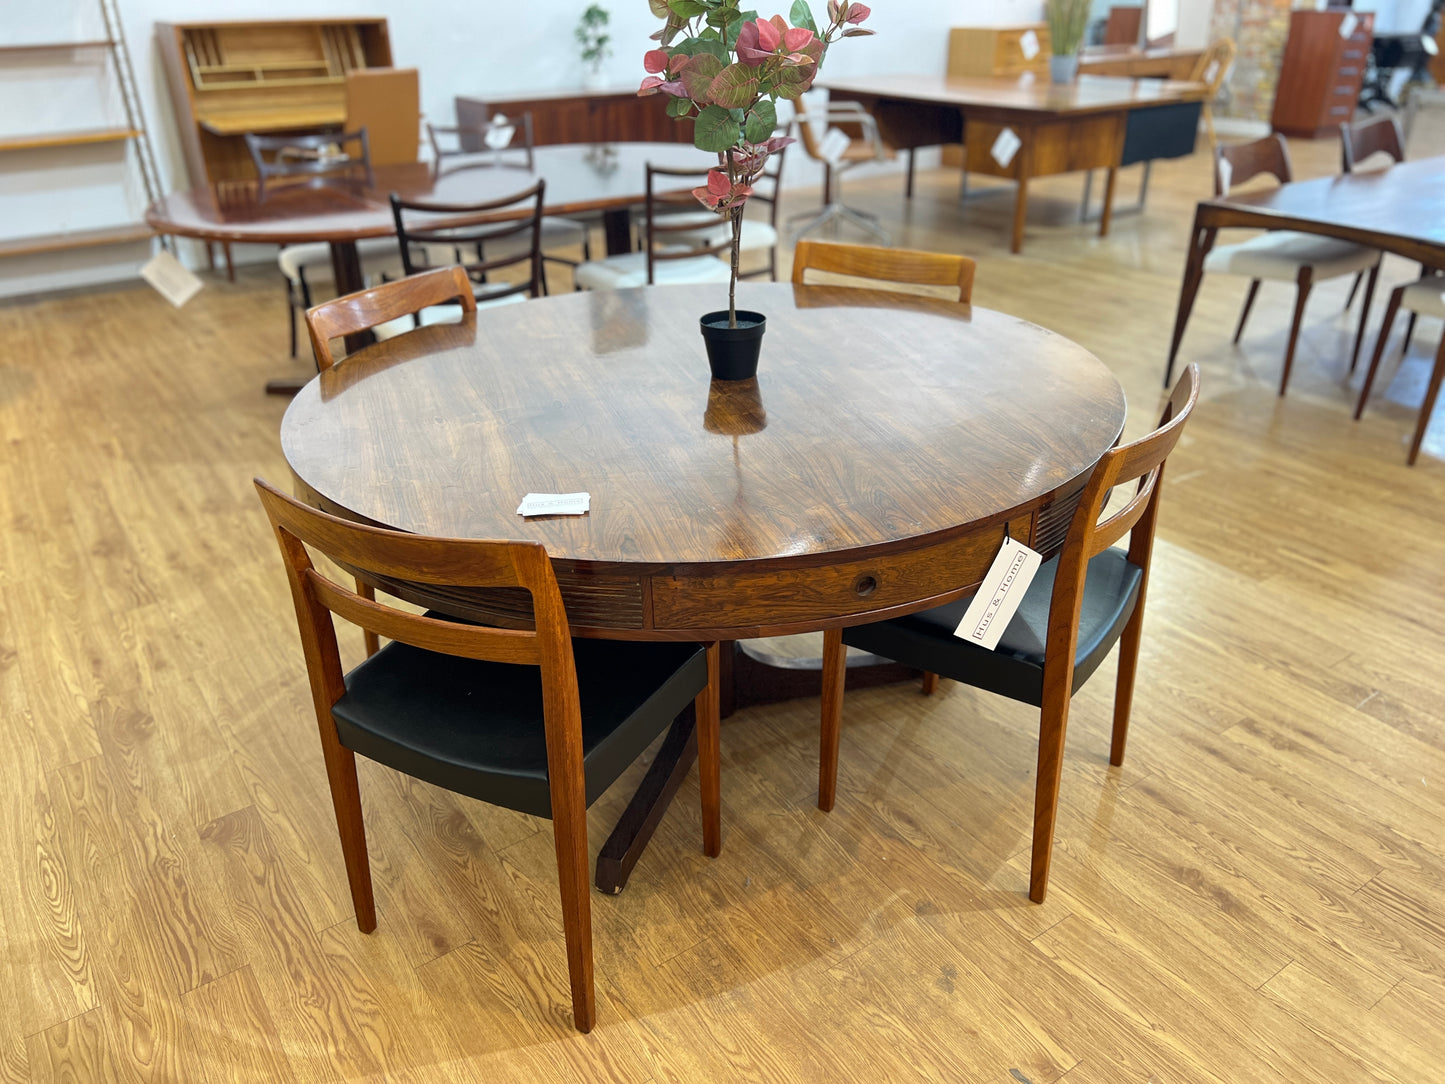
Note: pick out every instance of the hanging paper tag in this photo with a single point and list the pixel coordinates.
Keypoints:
(171, 280)
(1005, 147)
(1226, 174)
(499, 135)
(998, 597)
(1029, 44)
(1348, 24)
(555, 504)
(834, 145)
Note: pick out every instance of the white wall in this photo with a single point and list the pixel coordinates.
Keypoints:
(479, 47)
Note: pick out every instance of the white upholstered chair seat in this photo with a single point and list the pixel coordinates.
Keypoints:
(756, 234)
(630, 269)
(314, 259)
(439, 314)
(1279, 255)
(1427, 297)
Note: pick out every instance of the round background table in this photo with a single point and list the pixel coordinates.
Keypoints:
(868, 471)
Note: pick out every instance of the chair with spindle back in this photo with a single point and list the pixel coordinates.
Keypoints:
(894, 265)
(1081, 602)
(1284, 255)
(529, 720)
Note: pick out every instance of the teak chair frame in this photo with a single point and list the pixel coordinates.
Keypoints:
(548, 646)
(1088, 536)
(901, 265)
(366, 309)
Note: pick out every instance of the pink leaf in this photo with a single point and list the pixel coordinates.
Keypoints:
(655, 60)
(718, 183)
(796, 37)
(649, 86)
(768, 35)
(857, 13)
(748, 50)
(673, 87)
(777, 143)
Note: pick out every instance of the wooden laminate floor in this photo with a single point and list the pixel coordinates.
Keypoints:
(1255, 896)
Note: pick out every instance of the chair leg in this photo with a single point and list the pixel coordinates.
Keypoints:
(908, 188)
(1053, 721)
(709, 753)
(346, 801)
(1354, 288)
(1391, 309)
(1364, 315)
(1244, 312)
(291, 314)
(569, 831)
(930, 684)
(1428, 407)
(1409, 332)
(1124, 683)
(1302, 296)
(1209, 127)
(373, 642)
(834, 673)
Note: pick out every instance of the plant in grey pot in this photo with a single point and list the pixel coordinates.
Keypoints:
(1067, 20)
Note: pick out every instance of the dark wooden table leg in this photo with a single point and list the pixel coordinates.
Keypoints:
(742, 680)
(346, 267)
(617, 229)
(1201, 241)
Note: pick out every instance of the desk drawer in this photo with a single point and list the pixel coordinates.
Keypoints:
(821, 594)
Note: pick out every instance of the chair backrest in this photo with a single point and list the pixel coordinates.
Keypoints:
(465, 229)
(1245, 160)
(471, 140)
(807, 134)
(886, 264)
(1375, 135)
(769, 183)
(669, 190)
(1089, 536)
(309, 159)
(1213, 65)
(393, 555)
(365, 309)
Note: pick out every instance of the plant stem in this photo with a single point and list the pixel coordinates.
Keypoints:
(737, 223)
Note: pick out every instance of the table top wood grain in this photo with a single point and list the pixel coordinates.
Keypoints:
(880, 426)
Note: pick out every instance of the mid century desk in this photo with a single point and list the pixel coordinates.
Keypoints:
(841, 486)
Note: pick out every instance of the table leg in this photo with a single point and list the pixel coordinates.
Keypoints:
(346, 269)
(1021, 197)
(1201, 241)
(1107, 214)
(617, 228)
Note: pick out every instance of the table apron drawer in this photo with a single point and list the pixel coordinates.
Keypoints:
(780, 596)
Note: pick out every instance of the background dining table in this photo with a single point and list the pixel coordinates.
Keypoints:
(870, 470)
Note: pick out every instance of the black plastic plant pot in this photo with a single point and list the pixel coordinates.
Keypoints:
(732, 352)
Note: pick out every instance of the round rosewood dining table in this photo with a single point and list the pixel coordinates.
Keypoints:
(869, 470)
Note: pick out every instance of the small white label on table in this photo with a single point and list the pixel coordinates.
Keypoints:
(172, 281)
(1226, 174)
(1029, 44)
(834, 145)
(999, 595)
(1005, 147)
(1348, 24)
(555, 504)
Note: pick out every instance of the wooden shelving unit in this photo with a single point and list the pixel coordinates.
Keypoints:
(113, 48)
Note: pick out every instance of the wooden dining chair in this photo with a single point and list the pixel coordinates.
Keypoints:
(1081, 602)
(1284, 255)
(894, 265)
(1211, 69)
(529, 720)
(1426, 297)
(865, 144)
(484, 238)
(759, 233)
(504, 141)
(387, 303)
(670, 210)
(1360, 141)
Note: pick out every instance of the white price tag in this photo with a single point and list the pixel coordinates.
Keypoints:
(1211, 71)
(555, 504)
(1029, 44)
(1348, 24)
(1005, 147)
(499, 135)
(172, 281)
(1226, 175)
(998, 597)
(834, 145)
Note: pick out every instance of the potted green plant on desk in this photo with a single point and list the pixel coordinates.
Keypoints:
(727, 69)
(1067, 20)
(593, 39)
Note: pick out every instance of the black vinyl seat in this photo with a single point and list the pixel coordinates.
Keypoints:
(1015, 669)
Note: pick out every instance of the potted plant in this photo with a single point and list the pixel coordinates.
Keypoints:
(1067, 20)
(593, 38)
(726, 69)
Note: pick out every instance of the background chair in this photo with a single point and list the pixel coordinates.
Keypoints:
(1428, 297)
(1284, 255)
(663, 259)
(865, 146)
(528, 720)
(472, 147)
(389, 302)
(510, 226)
(1212, 69)
(896, 265)
(1080, 603)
